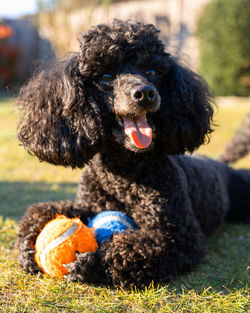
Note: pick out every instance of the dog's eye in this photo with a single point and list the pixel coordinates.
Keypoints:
(107, 77)
(150, 73)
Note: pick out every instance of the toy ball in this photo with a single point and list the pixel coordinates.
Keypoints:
(58, 243)
(106, 223)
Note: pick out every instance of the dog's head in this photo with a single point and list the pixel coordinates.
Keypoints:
(120, 88)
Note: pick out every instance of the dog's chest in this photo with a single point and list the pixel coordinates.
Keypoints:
(131, 181)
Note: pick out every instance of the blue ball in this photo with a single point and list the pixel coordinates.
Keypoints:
(108, 222)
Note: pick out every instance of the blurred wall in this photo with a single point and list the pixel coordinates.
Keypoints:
(175, 18)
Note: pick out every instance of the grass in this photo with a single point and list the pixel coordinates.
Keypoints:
(220, 284)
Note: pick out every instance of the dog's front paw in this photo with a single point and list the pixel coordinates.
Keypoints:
(87, 268)
(27, 257)
(132, 257)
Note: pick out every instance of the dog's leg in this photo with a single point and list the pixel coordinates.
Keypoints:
(136, 258)
(36, 217)
(140, 257)
(239, 146)
(167, 244)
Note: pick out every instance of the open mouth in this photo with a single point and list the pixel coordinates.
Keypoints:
(137, 130)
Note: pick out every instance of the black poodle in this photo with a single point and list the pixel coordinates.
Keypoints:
(130, 111)
(239, 146)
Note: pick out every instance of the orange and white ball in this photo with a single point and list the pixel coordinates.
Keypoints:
(58, 243)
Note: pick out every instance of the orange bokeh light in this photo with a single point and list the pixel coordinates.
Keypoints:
(5, 31)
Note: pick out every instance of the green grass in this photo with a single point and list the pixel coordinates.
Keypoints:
(220, 284)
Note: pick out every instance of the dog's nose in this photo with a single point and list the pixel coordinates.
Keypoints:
(143, 95)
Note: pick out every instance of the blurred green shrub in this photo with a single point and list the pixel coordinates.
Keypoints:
(224, 34)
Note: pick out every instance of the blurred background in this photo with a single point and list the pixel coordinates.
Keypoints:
(211, 36)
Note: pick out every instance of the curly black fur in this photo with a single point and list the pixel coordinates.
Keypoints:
(74, 113)
(239, 146)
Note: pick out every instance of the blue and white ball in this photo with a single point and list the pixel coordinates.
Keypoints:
(108, 222)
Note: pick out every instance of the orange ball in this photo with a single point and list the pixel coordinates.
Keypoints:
(58, 243)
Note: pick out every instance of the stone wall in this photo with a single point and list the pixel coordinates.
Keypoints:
(175, 18)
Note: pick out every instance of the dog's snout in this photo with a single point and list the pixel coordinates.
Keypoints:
(145, 94)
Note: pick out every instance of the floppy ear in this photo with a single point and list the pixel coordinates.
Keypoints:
(186, 112)
(60, 123)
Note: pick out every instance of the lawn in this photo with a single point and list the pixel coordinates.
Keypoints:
(220, 284)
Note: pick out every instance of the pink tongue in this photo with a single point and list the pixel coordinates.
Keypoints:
(138, 131)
